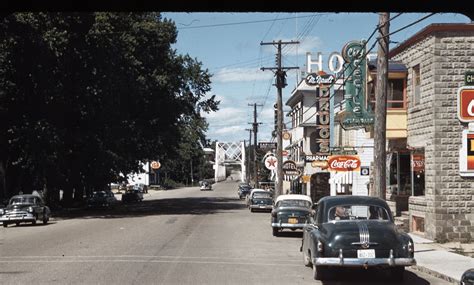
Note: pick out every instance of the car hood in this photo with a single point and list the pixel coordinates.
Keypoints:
(342, 234)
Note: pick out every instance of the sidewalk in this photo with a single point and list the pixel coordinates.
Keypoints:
(441, 260)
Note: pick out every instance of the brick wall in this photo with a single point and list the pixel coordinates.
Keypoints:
(448, 205)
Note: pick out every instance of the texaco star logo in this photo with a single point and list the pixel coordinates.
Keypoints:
(271, 162)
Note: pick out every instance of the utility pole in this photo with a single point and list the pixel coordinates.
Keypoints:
(380, 124)
(280, 83)
(249, 156)
(255, 131)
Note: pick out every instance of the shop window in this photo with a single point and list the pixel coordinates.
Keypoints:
(416, 84)
(396, 98)
(345, 189)
(418, 224)
(418, 173)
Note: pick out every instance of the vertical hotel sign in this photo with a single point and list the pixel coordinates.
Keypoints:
(465, 110)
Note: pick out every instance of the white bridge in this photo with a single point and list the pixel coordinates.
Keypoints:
(229, 154)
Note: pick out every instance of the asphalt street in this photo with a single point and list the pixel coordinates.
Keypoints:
(182, 236)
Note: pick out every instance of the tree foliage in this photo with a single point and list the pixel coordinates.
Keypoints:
(86, 96)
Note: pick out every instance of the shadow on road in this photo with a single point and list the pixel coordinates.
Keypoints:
(171, 206)
(290, 234)
(370, 276)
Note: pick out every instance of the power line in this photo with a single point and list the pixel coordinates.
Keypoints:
(240, 23)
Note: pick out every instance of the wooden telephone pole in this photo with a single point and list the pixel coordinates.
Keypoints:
(280, 75)
(255, 131)
(380, 124)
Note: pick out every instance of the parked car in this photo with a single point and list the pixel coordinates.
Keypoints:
(290, 212)
(244, 190)
(102, 199)
(206, 186)
(355, 231)
(132, 195)
(141, 187)
(467, 277)
(25, 209)
(260, 200)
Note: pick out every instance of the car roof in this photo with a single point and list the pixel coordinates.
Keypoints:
(293, 197)
(331, 201)
(26, 195)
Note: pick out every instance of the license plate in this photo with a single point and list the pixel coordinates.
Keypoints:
(262, 206)
(292, 220)
(366, 253)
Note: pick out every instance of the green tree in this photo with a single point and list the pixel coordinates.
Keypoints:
(86, 96)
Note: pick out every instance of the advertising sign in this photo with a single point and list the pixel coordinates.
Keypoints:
(470, 152)
(356, 113)
(319, 79)
(466, 104)
(319, 140)
(271, 162)
(155, 165)
(418, 162)
(344, 163)
(289, 168)
(469, 78)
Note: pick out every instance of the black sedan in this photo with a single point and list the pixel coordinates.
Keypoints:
(25, 209)
(132, 195)
(244, 190)
(358, 232)
(290, 212)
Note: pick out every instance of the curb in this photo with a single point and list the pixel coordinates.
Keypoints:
(435, 274)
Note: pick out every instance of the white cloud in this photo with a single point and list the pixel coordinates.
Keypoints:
(227, 130)
(241, 75)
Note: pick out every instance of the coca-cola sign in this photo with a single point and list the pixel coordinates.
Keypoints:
(344, 163)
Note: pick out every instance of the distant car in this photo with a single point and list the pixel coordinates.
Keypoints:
(206, 186)
(467, 277)
(102, 199)
(260, 200)
(244, 190)
(358, 232)
(25, 209)
(132, 195)
(141, 187)
(290, 212)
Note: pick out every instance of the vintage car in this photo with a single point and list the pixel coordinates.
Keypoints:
(244, 190)
(102, 199)
(260, 200)
(206, 186)
(290, 212)
(25, 209)
(132, 195)
(358, 232)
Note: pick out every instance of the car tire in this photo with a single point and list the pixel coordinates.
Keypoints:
(5, 224)
(275, 232)
(397, 273)
(17, 224)
(34, 221)
(307, 259)
(45, 218)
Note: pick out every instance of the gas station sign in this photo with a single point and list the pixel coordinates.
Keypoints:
(466, 104)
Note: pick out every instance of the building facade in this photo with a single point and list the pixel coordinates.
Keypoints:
(440, 204)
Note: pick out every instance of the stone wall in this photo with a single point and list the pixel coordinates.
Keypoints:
(448, 205)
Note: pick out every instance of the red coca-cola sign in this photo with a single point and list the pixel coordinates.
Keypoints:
(344, 163)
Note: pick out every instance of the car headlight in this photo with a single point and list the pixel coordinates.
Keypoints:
(1, 212)
(30, 209)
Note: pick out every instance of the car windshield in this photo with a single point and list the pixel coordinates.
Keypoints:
(294, 203)
(22, 200)
(357, 212)
(98, 194)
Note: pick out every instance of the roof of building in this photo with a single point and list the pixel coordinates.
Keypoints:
(429, 30)
(393, 66)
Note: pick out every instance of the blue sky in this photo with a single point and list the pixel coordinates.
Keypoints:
(230, 49)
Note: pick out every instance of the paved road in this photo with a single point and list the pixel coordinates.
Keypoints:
(183, 236)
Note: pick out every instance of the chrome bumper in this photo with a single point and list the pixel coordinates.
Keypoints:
(363, 262)
(17, 217)
(258, 207)
(288, 226)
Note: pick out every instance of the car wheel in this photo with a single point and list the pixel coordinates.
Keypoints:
(397, 273)
(275, 232)
(306, 259)
(5, 224)
(17, 224)
(34, 221)
(45, 218)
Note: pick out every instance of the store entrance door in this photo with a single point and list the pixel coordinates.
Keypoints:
(320, 186)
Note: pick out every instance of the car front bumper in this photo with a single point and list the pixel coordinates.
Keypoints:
(363, 262)
(17, 217)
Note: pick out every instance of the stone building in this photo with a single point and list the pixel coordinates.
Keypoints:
(441, 204)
